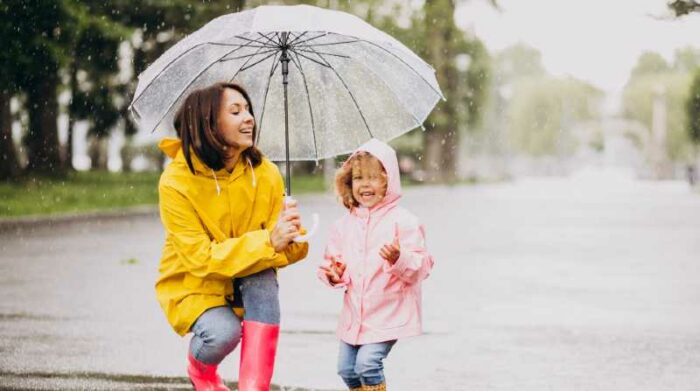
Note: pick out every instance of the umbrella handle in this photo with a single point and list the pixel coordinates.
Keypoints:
(309, 233)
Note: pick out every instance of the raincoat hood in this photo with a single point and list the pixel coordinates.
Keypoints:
(387, 156)
(172, 147)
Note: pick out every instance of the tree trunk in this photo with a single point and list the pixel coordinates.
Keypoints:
(43, 150)
(127, 153)
(441, 136)
(9, 164)
(68, 162)
(97, 150)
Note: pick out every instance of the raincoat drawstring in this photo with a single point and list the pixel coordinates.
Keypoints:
(253, 171)
(218, 188)
(216, 180)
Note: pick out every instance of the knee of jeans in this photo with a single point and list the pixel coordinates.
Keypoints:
(224, 337)
(346, 370)
(367, 364)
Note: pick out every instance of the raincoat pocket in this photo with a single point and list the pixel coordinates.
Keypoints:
(390, 310)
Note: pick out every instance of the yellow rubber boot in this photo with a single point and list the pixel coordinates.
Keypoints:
(376, 387)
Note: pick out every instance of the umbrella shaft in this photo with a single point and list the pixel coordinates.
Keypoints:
(286, 141)
(284, 58)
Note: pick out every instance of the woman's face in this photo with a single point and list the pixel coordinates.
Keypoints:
(235, 121)
(368, 181)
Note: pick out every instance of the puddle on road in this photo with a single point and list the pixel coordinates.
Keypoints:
(103, 381)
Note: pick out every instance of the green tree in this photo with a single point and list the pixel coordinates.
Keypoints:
(12, 60)
(692, 109)
(684, 7)
(464, 89)
(686, 59)
(38, 37)
(97, 93)
(518, 61)
(543, 111)
(650, 63)
(645, 83)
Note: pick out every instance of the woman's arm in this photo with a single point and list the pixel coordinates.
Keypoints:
(294, 251)
(234, 257)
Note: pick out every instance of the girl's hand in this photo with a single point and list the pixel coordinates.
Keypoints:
(334, 271)
(392, 251)
(287, 227)
(331, 274)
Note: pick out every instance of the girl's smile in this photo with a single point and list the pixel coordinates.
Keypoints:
(368, 181)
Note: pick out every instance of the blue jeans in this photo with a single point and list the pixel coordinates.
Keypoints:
(217, 332)
(259, 295)
(363, 364)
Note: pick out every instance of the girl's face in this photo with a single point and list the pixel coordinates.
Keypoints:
(235, 121)
(368, 181)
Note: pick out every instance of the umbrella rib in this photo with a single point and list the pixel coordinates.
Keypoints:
(297, 63)
(349, 93)
(406, 64)
(249, 55)
(297, 38)
(331, 43)
(325, 53)
(255, 40)
(418, 122)
(273, 68)
(274, 53)
(311, 39)
(309, 58)
(242, 66)
(188, 86)
(246, 45)
(177, 58)
(275, 44)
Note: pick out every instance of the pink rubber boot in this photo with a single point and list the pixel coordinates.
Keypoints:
(258, 349)
(204, 376)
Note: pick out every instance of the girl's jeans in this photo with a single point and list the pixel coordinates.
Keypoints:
(362, 364)
(217, 332)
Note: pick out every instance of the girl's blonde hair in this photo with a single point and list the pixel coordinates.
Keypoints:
(343, 178)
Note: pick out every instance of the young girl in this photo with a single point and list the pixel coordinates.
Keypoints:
(221, 206)
(376, 253)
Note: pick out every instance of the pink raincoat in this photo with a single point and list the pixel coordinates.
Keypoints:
(382, 302)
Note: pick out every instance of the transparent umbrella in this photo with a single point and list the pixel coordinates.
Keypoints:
(322, 82)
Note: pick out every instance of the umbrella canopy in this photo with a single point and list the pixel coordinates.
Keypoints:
(347, 81)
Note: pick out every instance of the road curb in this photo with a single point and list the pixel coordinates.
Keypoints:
(19, 223)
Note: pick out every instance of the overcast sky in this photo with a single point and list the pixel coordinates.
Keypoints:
(595, 40)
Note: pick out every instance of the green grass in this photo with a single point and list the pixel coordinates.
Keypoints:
(78, 192)
(92, 191)
(302, 184)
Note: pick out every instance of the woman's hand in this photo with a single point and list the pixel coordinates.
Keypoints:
(287, 227)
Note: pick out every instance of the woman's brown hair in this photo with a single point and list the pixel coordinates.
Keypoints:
(196, 125)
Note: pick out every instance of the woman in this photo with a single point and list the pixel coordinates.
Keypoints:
(221, 203)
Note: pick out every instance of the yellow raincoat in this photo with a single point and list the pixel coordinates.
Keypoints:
(217, 227)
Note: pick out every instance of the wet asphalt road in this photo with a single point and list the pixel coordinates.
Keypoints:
(587, 283)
